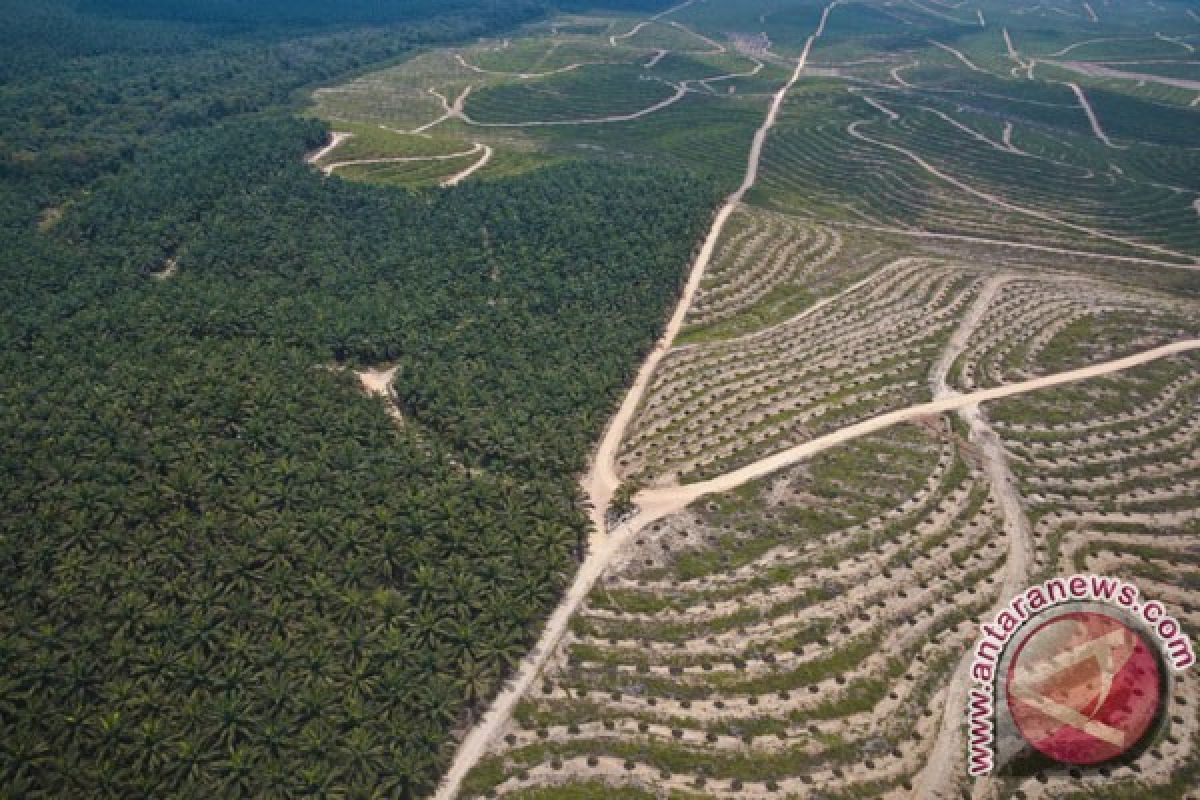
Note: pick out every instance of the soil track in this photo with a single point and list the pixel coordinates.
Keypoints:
(657, 503)
(329, 169)
(452, 110)
(960, 56)
(457, 178)
(941, 771)
(335, 141)
(1040, 248)
(658, 56)
(379, 383)
(939, 374)
(1093, 120)
(601, 480)
(1102, 71)
(680, 90)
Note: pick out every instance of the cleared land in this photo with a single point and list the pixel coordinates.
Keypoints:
(940, 342)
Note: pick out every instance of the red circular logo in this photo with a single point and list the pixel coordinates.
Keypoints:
(1084, 688)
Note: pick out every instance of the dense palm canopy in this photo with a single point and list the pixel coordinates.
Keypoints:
(223, 570)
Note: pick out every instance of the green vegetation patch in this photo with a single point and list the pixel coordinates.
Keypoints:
(590, 92)
(375, 141)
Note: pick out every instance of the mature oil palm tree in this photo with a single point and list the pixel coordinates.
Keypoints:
(429, 628)
(477, 680)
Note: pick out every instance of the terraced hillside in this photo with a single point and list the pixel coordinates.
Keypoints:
(1117, 492)
(940, 343)
(799, 635)
(788, 638)
(716, 406)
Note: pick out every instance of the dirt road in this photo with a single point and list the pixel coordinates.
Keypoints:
(379, 383)
(1103, 71)
(940, 372)
(1093, 120)
(680, 90)
(1015, 55)
(960, 56)
(457, 178)
(658, 503)
(329, 169)
(658, 56)
(454, 110)
(941, 772)
(601, 480)
(337, 137)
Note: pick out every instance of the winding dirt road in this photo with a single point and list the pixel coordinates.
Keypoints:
(1093, 120)
(453, 180)
(601, 480)
(971, 65)
(329, 169)
(658, 56)
(939, 374)
(457, 110)
(658, 503)
(974, 134)
(680, 90)
(941, 773)
(335, 141)
(612, 40)
(459, 177)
